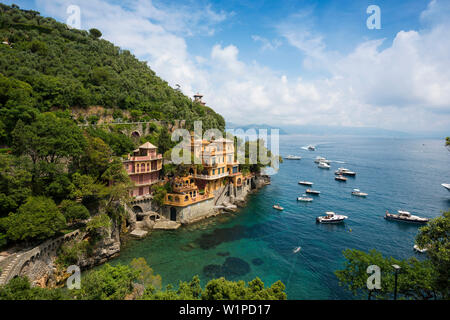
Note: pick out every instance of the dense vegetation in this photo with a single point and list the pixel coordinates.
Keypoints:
(46, 65)
(417, 279)
(138, 282)
(54, 176)
(55, 173)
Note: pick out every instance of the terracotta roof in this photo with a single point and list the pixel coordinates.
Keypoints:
(147, 145)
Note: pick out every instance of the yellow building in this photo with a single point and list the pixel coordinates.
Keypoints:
(219, 169)
(218, 163)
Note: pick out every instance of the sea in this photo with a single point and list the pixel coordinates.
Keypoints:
(259, 241)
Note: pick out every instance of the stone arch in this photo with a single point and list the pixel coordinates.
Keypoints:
(137, 209)
(136, 134)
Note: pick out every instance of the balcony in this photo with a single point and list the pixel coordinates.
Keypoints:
(158, 168)
(183, 200)
(147, 183)
(145, 158)
(212, 177)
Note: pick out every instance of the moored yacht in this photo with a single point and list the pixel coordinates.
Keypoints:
(357, 192)
(345, 172)
(323, 165)
(306, 183)
(304, 198)
(310, 191)
(340, 178)
(321, 159)
(291, 157)
(446, 186)
(405, 216)
(331, 217)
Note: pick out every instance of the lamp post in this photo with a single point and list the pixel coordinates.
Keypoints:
(397, 268)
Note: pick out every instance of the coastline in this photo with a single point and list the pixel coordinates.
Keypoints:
(39, 263)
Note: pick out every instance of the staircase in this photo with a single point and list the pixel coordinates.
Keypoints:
(221, 196)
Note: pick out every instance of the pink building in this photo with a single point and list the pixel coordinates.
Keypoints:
(143, 167)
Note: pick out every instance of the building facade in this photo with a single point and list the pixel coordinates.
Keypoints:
(143, 166)
(220, 169)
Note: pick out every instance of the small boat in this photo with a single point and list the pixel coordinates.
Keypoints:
(278, 207)
(331, 217)
(358, 193)
(345, 172)
(405, 216)
(304, 198)
(321, 159)
(446, 186)
(324, 165)
(311, 148)
(291, 157)
(306, 183)
(312, 191)
(297, 249)
(340, 178)
(418, 249)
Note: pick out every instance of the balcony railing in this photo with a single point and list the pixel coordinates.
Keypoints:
(145, 158)
(212, 177)
(182, 200)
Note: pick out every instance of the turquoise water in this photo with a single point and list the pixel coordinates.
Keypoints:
(259, 241)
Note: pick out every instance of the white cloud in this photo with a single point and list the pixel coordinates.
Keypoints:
(405, 86)
(266, 43)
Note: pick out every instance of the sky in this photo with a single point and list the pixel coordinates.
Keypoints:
(289, 62)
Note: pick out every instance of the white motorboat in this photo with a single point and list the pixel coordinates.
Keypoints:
(323, 165)
(311, 148)
(446, 186)
(297, 249)
(331, 217)
(345, 172)
(306, 183)
(340, 178)
(405, 216)
(278, 207)
(304, 198)
(310, 191)
(291, 157)
(321, 159)
(358, 193)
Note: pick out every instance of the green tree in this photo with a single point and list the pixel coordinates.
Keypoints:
(435, 237)
(47, 141)
(20, 288)
(146, 275)
(415, 280)
(15, 182)
(74, 211)
(95, 33)
(37, 219)
(108, 283)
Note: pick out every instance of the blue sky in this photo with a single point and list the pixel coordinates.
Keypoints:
(290, 62)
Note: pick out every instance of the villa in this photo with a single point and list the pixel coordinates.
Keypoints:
(143, 167)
